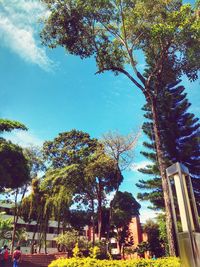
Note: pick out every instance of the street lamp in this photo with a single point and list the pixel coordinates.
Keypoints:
(185, 215)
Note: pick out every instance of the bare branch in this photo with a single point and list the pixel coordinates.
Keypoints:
(127, 74)
(121, 147)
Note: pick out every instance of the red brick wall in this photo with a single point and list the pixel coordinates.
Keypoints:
(136, 230)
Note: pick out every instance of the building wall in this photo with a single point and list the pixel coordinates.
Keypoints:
(135, 230)
(26, 246)
(137, 235)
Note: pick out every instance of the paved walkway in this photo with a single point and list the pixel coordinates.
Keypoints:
(36, 260)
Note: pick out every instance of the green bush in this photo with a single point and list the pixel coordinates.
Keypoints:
(88, 262)
(95, 252)
(76, 252)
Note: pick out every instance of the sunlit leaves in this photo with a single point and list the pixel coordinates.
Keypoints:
(112, 31)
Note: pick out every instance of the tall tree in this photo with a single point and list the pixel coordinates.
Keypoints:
(180, 134)
(121, 149)
(32, 209)
(113, 30)
(124, 208)
(103, 174)
(155, 245)
(35, 164)
(68, 155)
(79, 163)
(13, 165)
(14, 171)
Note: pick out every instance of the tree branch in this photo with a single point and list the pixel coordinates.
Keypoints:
(127, 74)
(130, 51)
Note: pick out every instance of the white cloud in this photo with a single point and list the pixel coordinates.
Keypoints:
(23, 138)
(19, 29)
(146, 214)
(135, 166)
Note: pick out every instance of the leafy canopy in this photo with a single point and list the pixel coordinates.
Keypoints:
(8, 125)
(14, 170)
(113, 30)
(124, 208)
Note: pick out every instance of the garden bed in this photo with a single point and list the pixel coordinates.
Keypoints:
(88, 262)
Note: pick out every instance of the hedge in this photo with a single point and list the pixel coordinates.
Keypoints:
(88, 262)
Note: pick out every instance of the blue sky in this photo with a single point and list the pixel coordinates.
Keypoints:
(51, 92)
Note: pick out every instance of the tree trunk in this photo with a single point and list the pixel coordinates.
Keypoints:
(14, 222)
(32, 250)
(162, 168)
(45, 237)
(93, 223)
(16, 216)
(40, 235)
(111, 202)
(99, 210)
(109, 221)
(58, 228)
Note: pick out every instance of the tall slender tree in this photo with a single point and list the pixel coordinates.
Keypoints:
(113, 30)
(180, 134)
(121, 149)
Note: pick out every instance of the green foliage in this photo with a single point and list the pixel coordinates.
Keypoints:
(142, 248)
(161, 220)
(14, 170)
(6, 226)
(69, 148)
(78, 219)
(68, 240)
(129, 250)
(113, 30)
(35, 160)
(100, 250)
(124, 207)
(180, 145)
(8, 125)
(88, 262)
(155, 244)
(81, 167)
(21, 235)
(76, 251)
(95, 252)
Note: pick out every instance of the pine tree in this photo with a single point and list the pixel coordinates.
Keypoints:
(180, 135)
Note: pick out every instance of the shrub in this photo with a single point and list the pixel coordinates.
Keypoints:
(76, 251)
(95, 252)
(88, 262)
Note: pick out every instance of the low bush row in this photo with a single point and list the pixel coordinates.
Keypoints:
(88, 262)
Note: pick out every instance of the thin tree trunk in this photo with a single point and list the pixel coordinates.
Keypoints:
(40, 235)
(109, 221)
(93, 223)
(162, 168)
(32, 241)
(111, 202)
(58, 228)
(45, 235)
(14, 222)
(99, 210)
(16, 216)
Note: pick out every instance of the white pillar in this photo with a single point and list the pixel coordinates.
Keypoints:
(181, 203)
